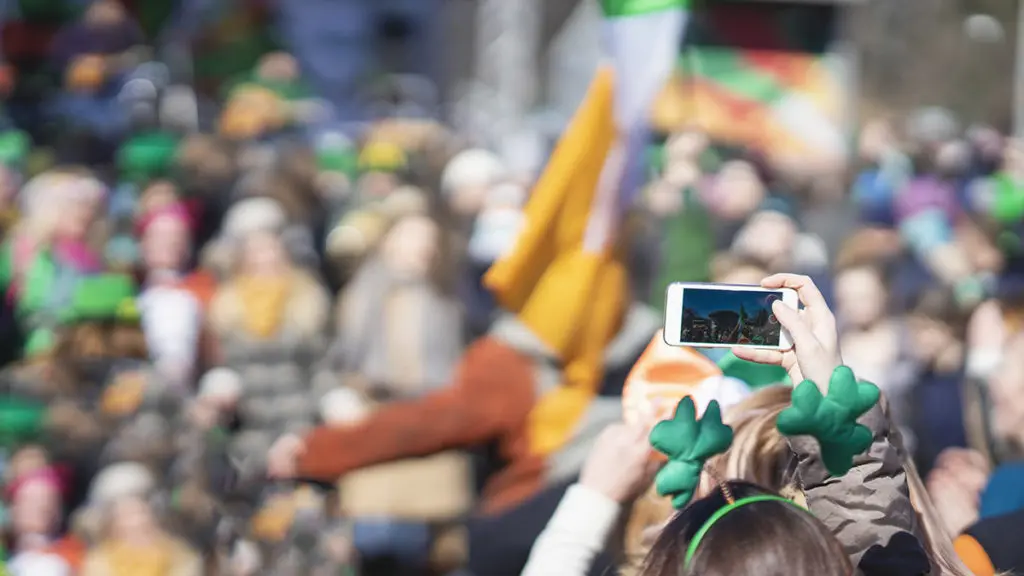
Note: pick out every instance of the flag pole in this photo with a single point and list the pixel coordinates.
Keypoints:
(1018, 75)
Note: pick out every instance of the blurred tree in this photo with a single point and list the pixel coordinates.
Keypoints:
(914, 54)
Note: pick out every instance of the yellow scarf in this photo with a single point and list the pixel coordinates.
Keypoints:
(126, 560)
(264, 300)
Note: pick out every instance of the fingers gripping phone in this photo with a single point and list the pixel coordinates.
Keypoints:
(726, 315)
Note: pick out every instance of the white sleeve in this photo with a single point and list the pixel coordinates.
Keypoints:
(575, 534)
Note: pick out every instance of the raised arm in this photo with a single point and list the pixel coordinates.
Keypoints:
(869, 509)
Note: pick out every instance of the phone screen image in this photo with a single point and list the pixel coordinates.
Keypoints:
(730, 317)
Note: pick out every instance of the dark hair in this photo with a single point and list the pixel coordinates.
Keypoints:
(940, 305)
(877, 266)
(768, 538)
(722, 263)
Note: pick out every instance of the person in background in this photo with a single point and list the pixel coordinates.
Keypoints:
(937, 329)
(874, 342)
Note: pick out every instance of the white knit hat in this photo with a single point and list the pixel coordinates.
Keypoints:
(220, 382)
(121, 480)
(473, 167)
(38, 564)
(253, 215)
(728, 391)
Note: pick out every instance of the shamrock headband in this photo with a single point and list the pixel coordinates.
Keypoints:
(689, 442)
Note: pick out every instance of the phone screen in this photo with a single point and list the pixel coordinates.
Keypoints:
(730, 317)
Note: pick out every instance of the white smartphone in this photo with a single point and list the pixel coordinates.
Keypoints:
(726, 315)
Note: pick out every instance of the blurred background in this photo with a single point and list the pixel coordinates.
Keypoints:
(231, 221)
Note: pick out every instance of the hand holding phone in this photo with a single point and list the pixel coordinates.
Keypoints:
(808, 343)
(812, 329)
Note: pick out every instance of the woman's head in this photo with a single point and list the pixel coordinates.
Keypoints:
(411, 246)
(862, 291)
(743, 533)
(131, 519)
(732, 268)
(936, 325)
(264, 255)
(758, 454)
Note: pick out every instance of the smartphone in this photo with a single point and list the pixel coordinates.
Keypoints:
(725, 315)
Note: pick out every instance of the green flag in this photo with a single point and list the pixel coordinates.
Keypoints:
(623, 8)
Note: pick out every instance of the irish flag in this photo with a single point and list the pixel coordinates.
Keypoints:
(757, 74)
(564, 279)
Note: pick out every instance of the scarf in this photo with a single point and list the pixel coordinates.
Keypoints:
(264, 300)
(126, 560)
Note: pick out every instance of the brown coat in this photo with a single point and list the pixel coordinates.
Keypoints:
(490, 398)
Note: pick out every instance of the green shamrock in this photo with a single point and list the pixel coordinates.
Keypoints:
(688, 442)
(832, 419)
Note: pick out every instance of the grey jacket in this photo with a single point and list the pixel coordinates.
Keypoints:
(869, 509)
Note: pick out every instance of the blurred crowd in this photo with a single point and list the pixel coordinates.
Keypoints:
(240, 338)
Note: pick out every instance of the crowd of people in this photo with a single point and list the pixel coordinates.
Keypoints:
(266, 344)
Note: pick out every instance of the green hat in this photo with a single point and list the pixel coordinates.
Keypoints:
(104, 297)
(655, 158)
(148, 156)
(20, 421)
(755, 375)
(14, 147)
(336, 153)
(40, 341)
(1008, 205)
(289, 90)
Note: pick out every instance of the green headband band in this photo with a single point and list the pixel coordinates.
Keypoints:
(695, 542)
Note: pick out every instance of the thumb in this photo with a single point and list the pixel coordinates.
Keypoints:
(791, 320)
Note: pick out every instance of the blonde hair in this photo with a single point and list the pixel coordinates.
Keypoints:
(938, 543)
(760, 454)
